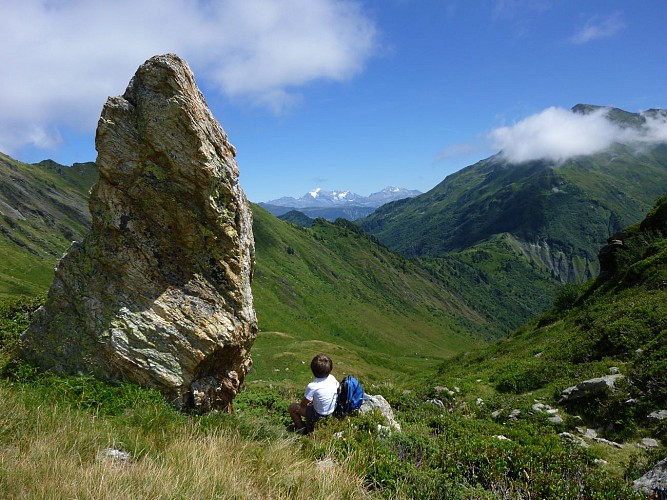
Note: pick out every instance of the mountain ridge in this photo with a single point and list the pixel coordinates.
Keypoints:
(332, 205)
(319, 197)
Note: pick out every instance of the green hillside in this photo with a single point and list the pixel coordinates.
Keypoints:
(331, 287)
(44, 207)
(567, 210)
(617, 322)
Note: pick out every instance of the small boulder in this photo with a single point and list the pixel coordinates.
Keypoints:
(649, 443)
(377, 401)
(556, 419)
(658, 415)
(590, 388)
(574, 439)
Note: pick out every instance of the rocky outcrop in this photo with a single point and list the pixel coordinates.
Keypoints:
(159, 292)
(567, 267)
(590, 388)
(654, 482)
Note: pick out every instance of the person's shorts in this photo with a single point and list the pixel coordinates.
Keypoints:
(312, 416)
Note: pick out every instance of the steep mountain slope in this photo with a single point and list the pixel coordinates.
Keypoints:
(332, 285)
(44, 207)
(558, 215)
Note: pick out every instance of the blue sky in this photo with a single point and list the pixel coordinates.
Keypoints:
(337, 94)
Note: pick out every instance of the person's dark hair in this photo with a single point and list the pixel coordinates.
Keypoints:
(321, 365)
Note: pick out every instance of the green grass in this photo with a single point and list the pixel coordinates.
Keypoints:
(53, 430)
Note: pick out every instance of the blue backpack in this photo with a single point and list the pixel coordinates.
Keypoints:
(350, 396)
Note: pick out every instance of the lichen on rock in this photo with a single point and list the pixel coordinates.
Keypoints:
(159, 291)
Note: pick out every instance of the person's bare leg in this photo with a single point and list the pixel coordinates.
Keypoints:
(298, 413)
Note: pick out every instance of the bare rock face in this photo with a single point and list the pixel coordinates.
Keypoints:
(159, 292)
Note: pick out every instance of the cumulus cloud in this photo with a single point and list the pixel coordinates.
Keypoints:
(557, 134)
(62, 58)
(597, 28)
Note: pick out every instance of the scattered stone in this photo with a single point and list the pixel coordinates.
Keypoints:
(574, 439)
(326, 463)
(437, 403)
(658, 415)
(538, 355)
(649, 443)
(479, 402)
(590, 388)
(589, 433)
(613, 370)
(158, 293)
(514, 414)
(609, 443)
(383, 406)
(497, 413)
(539, 407)
(632, 401)
(599, 461)
(556, 419)
(654, 482)
(502, 438)
(440, 389)
(115, 455)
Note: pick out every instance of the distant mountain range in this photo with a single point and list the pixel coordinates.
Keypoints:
(332, 205)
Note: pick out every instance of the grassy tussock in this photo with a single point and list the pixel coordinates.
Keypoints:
(52, 451)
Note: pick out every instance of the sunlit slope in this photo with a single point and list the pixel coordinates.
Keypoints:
(327, 288)
(331, 285)
(43, 207)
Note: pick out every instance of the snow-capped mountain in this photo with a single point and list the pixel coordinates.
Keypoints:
(320, 198)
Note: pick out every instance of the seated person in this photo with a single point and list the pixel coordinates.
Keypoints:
(320, 397)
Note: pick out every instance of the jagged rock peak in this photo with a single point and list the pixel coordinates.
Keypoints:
(159, 291)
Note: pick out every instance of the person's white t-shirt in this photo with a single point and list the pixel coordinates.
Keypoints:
(323, 393)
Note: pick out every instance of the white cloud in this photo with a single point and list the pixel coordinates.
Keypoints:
(62, 58)
(557, 134)
(597, 28)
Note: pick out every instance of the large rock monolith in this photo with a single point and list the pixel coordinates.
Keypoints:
(159, 292)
